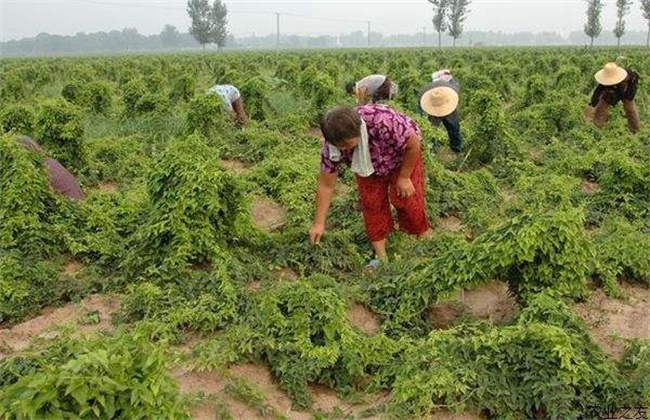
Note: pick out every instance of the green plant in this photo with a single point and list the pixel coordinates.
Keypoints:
(96, 377)
(59, 129)
(195, 208)
(543, 366)
(17, 118)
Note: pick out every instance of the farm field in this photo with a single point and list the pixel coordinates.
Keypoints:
(184, 286)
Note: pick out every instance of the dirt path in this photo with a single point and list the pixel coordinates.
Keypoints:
(267, 214)
(97, 308)
(611, 320)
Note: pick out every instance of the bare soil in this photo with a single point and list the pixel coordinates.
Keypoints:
(590, 188)
(610, 320)
(286, 274)
(215, 383)
(363, 318)
(107, 187)
(491, 301)
(237, 166)
(259, 376)
(267, 214)
(18, 337)
(72, 268)
(451, 223)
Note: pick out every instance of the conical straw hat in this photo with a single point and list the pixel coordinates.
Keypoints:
(610, 75)
(439, 101)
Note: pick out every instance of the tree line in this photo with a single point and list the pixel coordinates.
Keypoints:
(593, 27)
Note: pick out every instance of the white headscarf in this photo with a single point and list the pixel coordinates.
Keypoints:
(361, 162)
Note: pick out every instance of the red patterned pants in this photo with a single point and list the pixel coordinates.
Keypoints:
(377, 193)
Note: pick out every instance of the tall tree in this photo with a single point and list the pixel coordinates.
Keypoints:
(622, 9)
(440, 8)
(218, 15)
(457, 14)
(593, 27)
(645, 7)
(169, 37)
(201, 28)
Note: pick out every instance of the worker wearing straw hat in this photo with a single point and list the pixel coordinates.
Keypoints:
(614, 84)
(439, 100)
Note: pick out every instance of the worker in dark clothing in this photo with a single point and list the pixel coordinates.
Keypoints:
(61, 180)
(615, 84)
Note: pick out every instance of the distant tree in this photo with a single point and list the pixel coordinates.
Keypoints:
(219, 33)
(439, 16)
(645, 7)
(622, 9)
(457, 15)
(208, 22)
(201, 28)
(169, 37)
(593, 27)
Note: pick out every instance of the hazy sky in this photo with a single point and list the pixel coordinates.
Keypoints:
(25, 18)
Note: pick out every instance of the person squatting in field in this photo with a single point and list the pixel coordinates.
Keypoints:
(383, 149)
(439, 100)
(615, 84)
(61, 180)
(232, 100)
(373, 88)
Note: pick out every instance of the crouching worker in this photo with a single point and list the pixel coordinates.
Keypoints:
(614, 84)
(232, 100)
(61, 180)
(439, 99)
(383, 149)
(372, 89)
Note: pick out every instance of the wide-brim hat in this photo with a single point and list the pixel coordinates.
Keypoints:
(439, 101)
(610, 75)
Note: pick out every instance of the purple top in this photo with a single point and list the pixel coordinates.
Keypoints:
(388, 133)
(63, 181)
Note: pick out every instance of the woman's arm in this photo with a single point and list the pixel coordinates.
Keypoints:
(404, 185)
(361, 95)
(238, 107)
(324, 194)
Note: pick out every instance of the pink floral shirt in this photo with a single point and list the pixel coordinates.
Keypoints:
(388, 133)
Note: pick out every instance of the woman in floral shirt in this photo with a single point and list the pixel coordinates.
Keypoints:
(383, 148)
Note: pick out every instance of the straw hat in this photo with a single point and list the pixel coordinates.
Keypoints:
(439, 101)
(610, 75)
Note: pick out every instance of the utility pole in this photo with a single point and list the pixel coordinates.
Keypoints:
(368, 22)
(277, 31)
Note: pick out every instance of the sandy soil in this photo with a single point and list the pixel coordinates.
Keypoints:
(18, 337)
(267, 214)
(237, 166)
(363, 318)
(611, 320)
(491, 301)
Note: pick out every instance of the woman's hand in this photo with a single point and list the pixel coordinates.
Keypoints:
(316, 232)
(405, 187)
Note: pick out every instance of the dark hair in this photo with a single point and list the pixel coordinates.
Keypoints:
(349, 87)
(339, 124)
(383, 92)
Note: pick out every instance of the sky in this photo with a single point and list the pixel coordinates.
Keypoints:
(27, 18)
